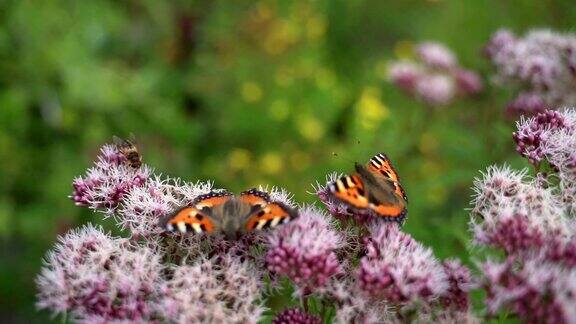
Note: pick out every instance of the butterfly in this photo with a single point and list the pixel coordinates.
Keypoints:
(127, 148)
(223, 212)
(374, 187)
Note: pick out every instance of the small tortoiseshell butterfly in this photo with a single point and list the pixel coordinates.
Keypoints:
(375, 187)
(223, 212)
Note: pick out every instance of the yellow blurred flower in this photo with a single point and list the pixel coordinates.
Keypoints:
(404, 49)
(271, 163)
(282, 34)
(239, 159)
(279, 110)
(315, 27)
(309, 127)
(370, 109)
(251, 92)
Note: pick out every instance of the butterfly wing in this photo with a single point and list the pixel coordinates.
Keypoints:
(350, 190)
(255, 197)
(212, 199)
(189, 219)
(375, 187)
(269, 216)
(198, 218)
(380, 165)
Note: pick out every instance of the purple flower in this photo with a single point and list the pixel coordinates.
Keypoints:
(436, 90)
(468, 82)
(405, 75)
(144, 206)
(399, 269)
(539, 64)
(538, 291)
(530, 220)
(355, 306)
(295, 316)
(221, 289)
(104, 185)
(527, 103)
(460, 283)
(436, 55)
(91, 275)
(435, 77)
(514, 234)
(533, 133)
(304, 250)
(513, 213)
(500, 45)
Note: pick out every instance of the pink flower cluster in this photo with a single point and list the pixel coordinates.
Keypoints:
(97, 278)
(295, 316)
(541, 66)
(531, 221)
(435, 78)
(367, 271)
(104, 185)
(533, 133)
(399, 269)
(304, 250)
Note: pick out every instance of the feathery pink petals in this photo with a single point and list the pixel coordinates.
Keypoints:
(435, 78)
(93, 275)
(144, 206)
(538, 291)
(104, 185)
(399, 269)
(304, 250)
(221, 289)
(533, 133)
(541, 64)
(295, 316)
(460, 283)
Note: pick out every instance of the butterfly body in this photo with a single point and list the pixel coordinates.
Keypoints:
(374, 187)
(233, 216)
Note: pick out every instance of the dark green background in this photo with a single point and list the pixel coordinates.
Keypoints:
(242, 93)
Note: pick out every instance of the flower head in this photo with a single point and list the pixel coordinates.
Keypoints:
(304, 250)
(532, 134)
(538, 291)
(399, 269)
(295, 316)
(437, 90)
(436, 55)
(435, 77)
(540, 64)
(221, 289)
(104, 186)
(460, 283)
(95, 276)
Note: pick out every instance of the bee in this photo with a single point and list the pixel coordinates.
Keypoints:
(129, 150)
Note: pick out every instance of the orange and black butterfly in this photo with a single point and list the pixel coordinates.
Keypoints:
(374, 187)
(223, 212)
(128, 148)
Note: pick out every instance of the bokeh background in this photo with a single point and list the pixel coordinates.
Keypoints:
(241, 93)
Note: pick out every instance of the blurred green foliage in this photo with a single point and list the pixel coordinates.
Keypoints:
(241, 93)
